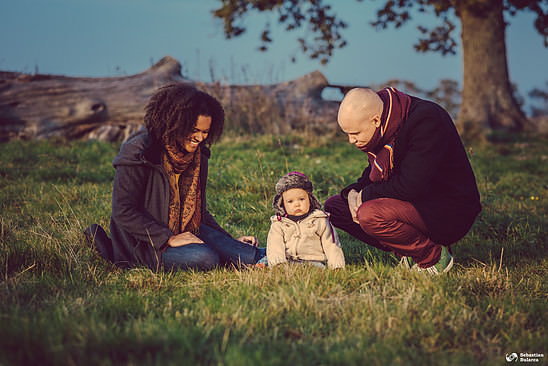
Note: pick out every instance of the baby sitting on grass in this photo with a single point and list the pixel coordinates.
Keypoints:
(300, 231)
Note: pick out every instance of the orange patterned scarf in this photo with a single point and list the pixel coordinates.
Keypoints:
(185, 201)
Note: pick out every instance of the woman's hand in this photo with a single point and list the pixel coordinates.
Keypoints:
(354, 202)
(251, 240)
(183, 239)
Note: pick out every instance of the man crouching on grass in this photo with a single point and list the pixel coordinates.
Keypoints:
(418, 195)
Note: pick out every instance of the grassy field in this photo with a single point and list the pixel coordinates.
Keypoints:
(63, 305)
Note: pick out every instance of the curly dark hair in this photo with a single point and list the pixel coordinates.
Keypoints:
(173, 110)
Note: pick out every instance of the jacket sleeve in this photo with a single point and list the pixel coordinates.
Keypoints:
(331, 246)
(275, 245)
(411, 180)
(210, 221)
(361, 183)
(128, 211)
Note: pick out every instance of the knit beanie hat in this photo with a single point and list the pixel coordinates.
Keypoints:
(289, 181)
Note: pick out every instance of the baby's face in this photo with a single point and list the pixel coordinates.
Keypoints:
(296, 201)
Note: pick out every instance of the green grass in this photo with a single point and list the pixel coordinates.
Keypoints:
(62, 305)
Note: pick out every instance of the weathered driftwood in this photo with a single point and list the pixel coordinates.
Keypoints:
(45, 106)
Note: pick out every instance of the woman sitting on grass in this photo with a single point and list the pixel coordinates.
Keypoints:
(159, 212)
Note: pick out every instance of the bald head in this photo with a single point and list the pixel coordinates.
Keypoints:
(360, 103)
(359, 115)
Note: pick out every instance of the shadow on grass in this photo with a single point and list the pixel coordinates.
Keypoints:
(495, 234)
(517, 240)
(358, 252)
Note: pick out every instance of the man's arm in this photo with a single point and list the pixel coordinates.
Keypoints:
(360, 184)
(428, 141)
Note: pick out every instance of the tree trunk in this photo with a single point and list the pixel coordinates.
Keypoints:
(50, 106)
(46, 106)
(488, 102)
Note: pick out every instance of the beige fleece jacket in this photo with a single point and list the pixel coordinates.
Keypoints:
(310, 239)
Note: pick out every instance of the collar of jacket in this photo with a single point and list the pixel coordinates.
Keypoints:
(140, 149)
(153, 152)
(313, 215)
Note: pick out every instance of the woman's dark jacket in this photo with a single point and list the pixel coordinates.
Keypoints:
(431, 171)
(140, 203)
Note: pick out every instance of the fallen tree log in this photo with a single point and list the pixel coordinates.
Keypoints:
(109, 109)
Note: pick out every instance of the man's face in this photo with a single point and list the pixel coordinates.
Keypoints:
(296, 201)
(360, 115)
(199, 133)
(359, 130)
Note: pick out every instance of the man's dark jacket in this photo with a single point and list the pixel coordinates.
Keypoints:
(140, 203)
(431, 171)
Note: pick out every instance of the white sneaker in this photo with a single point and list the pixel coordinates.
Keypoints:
(443, 266)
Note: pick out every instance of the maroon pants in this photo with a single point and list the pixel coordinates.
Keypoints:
(388, 224)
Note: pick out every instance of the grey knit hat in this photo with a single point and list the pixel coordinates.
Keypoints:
(289, 181)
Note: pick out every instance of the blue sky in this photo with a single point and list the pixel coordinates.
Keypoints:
(119, 37)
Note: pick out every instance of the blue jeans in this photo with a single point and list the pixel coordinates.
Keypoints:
(217, 249)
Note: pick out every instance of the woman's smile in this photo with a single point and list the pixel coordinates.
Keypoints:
(199, 134)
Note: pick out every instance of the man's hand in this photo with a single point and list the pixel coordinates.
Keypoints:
(354, 202)
(183, 239)
(251, 240)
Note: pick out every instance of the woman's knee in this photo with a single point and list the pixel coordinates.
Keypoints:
(191, 256)
(207, 259)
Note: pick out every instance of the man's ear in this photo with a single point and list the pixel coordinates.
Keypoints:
(376, 120)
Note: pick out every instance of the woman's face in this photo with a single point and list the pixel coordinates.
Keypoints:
(199, 133)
